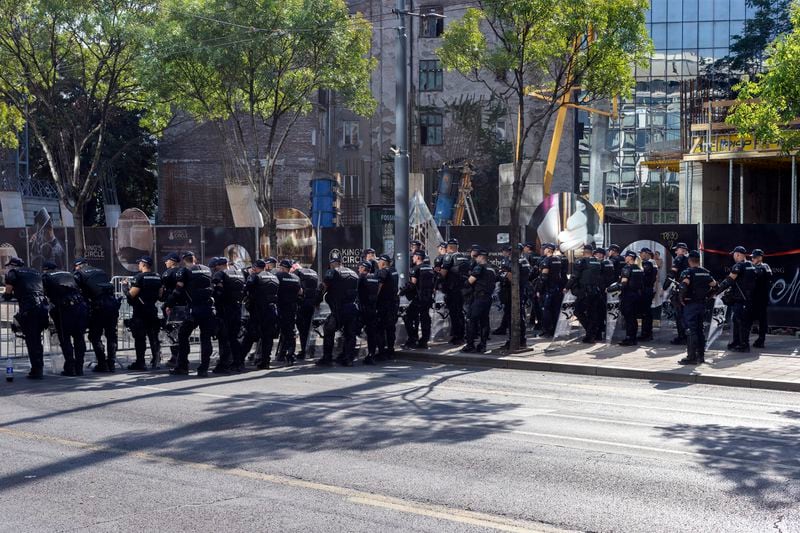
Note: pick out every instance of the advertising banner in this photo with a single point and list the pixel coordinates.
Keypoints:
(237, 245)
(13, 243)
(380, 228)
(134, 237)
(344, 242)
(178, 239)
(99, 250)
(781, 245)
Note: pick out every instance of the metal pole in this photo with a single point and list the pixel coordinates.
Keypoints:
(401, 155)
(741, 194)
(793, 216)
(660, 192)
(730, 191)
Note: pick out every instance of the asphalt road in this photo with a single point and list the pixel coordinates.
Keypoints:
(403, 447)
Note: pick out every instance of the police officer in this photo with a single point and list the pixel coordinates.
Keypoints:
(631, 280)
(195, 285)
(25, 285)
(506, 279)
(388, 302)
(309, 281)
(437, 264)
(96, 288)
(261, 288)
(679, 264)
(142, 294)
(741, 281)
(368, 286)
(761, 290)
(70, 315)
(650, 277)
(608, 279)
(341, 292)
(613, 255)
(416, 246)
(549, 285)
(586, 284)
(504, 282)
(371, 258)
(694, 286)
(529, 251)
(419, 291)
(289, 293)
(481, 280)
(228, 282)
(455, 268)
(169, 280)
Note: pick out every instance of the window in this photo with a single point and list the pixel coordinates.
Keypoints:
(350, 186)
(431, 26)
(430, 129)
(430, 75)
(350, 133)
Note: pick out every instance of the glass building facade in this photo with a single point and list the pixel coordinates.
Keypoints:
(640, 163)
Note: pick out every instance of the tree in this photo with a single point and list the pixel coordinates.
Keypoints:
(766, 105)
(63, 66)
(11, 123)
(545, 48)
(770, 19)
(252, 68)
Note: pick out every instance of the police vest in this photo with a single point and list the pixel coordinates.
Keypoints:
(94, 283)
(197, 284)
(232, 281)
(486, 277)
(60, 287)
(635, 278)
(650, 273)
(368, 285)
(149, 284)
(310, 283)
(389, 279)
(589, 274)
(426, 281)
(27, 283)
(745, 280)
(699, 283)
(263, 288)
(288, 288)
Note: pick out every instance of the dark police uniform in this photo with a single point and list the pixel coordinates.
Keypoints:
(456, 264)
(144, 323)
(586, 284)
(505, 279)
(649, 275)
(550, 286)
(103, 314)
(417, 318)
(695, 283)
(679, 264)
(70, 314)
(341, 293)
(32, 315)
(480, 306)
(368, 286)
(198, 290)
(536, 309)
(288, 294)
(228, 296)
(305, 311)
(169, 281)
(763, 284)
(262, 300)
(630, 300)
(741, 295)
(388, 303)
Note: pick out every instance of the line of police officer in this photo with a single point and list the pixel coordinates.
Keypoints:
(280, 297)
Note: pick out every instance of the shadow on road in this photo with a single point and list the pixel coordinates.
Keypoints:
(758, 462)
(379, 412)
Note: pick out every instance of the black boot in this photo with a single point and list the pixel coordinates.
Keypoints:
(100, 366)
(678, 340)
(139, 365)
(691, 352)
(325, 360)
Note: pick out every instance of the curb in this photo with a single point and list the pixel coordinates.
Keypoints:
(604, 371)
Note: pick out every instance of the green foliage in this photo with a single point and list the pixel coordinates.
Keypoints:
(64, 65)
(770, 19)
(766, 106)
(535, 43)
(11, 123)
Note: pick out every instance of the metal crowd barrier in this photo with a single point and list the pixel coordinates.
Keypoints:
(12, 346)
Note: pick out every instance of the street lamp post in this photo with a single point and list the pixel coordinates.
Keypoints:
(401, 150)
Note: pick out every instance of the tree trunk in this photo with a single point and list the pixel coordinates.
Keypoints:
(79, 248)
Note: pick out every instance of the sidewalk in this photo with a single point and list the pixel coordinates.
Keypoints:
(777, 366)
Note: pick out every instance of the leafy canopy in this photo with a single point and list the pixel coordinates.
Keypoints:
(214, 58)
(550, 45)
(766, 106)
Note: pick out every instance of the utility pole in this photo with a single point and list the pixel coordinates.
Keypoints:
(401, 150)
